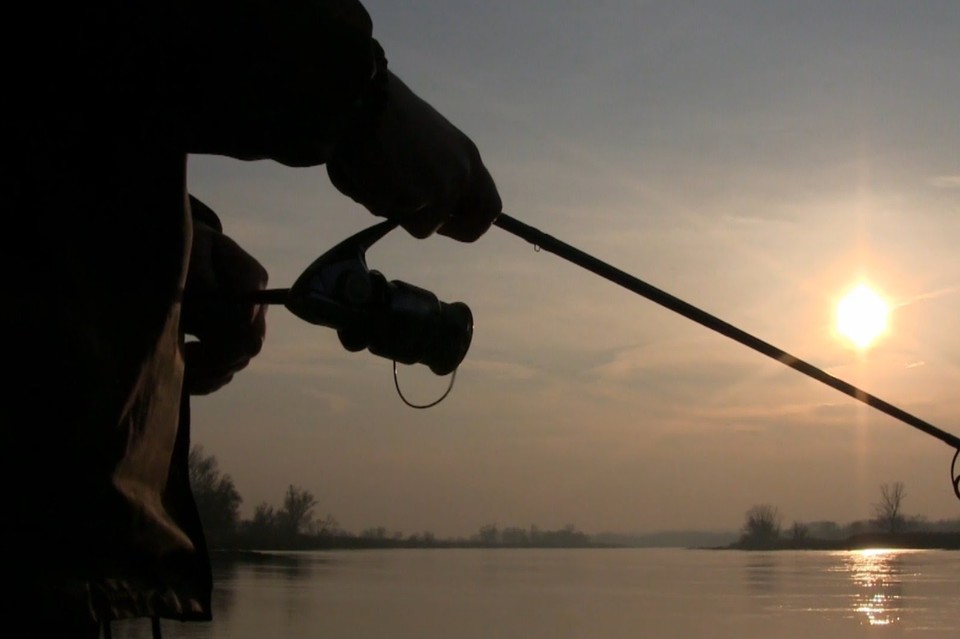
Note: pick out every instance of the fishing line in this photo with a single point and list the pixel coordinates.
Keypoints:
(542, 241)
(396, 384)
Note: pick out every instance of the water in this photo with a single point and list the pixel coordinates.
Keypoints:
(568, 594)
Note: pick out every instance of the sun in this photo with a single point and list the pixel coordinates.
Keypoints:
(862, 316)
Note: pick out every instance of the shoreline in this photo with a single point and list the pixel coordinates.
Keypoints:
(864, 541)
(899, 541)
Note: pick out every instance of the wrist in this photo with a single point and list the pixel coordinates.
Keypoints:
(366, 110)
(373, 98)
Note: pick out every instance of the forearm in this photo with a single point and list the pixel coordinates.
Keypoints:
(275, 79)
(246, 78)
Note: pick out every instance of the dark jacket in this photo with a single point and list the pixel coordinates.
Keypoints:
(109, 101)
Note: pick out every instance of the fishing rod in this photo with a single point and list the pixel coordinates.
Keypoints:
(410, 325)
(548, 243)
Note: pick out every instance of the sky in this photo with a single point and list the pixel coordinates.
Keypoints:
(755, 158)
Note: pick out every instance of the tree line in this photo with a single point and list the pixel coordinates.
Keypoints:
(294, 526)
(289, 526)
(763, 528)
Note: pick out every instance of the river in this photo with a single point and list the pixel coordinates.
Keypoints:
(580, 594)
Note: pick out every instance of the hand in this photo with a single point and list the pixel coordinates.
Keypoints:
(415, 167)
(229, 332)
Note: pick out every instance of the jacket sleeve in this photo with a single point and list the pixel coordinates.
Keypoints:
(245, 78)
(258, 79)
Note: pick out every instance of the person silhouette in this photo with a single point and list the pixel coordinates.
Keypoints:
(113, 264)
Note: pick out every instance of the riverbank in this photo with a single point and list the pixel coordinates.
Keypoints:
(908, 540)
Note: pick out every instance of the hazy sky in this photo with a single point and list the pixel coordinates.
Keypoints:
(757, 159)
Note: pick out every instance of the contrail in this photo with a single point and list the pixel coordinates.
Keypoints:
(932, 295)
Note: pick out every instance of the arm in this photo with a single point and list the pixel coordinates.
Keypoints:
(258, 79)
(304, 83)
(312, 87)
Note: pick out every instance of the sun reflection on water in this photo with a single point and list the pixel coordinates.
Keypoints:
(876, 573)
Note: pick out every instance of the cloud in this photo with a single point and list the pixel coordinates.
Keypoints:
(806, 413)
(328, 402)
(945, 181)
(304, 360)
(931, 295)
(743, 219)
(504, 370)
(754, 220)
(693, 358)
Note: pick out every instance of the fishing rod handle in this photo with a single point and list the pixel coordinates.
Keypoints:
(268, 296)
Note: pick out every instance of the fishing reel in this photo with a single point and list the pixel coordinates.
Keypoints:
(391, 319)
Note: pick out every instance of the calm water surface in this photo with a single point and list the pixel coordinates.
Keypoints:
(596, 594)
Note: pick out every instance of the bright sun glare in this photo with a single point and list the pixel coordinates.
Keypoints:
(862, 316)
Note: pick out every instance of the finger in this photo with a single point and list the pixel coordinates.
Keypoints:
(236, 270)
(479, 206)
(424, 222)
(432, 212)
(211, 364)
(257, 332)
(207, 371)
(371, 187)
(233, 326)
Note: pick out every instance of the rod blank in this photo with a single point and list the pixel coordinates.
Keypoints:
(675, 304)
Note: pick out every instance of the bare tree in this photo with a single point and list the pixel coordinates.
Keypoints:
(799, 531)
(489, 535)
(217, 499)
(296, 516)
(264, 518)
(762, 527)
(379, 533)
(889, 510)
